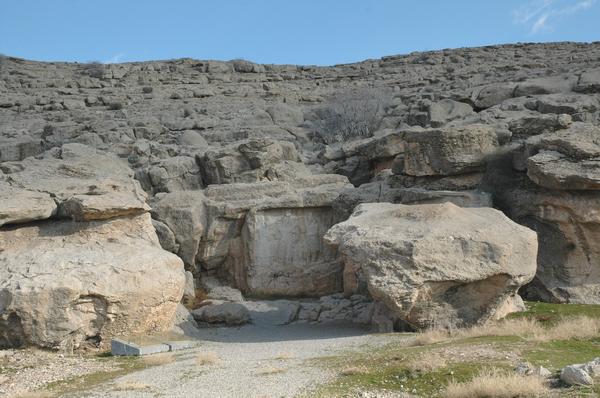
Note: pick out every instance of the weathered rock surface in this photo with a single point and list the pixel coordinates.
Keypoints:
(253, 160)
(456, 150)
(435, 265)
(581, 374)
(20, 205)
(263, 238)
(229, 314)
(567, 226)
(85, 184)
(515, 127)
(91, 267)
(64, 283)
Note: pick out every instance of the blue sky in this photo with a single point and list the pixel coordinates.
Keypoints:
(321, 32)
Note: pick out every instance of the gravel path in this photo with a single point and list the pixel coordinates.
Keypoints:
(252, 361)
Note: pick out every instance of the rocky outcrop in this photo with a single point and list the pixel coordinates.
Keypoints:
(85, 185)
(235, 157)
(558, 198)
(449, 151)
(90, 266)
(581, 374)
(568, 159)
(263, 238)
(250, 161)
(567, 225)
(435, 265)
(65, 283)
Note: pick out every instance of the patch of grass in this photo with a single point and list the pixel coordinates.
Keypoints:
(428, 362)
(125, 366)
(158, 359)
(270, 370)
(399, 378)
(575, 327)
(353, 371)
(284, 356)
(206, 358)
(131, 386)
(549, 335)
(498, 384)
(555, 355)
(550, 313)
(35, 394)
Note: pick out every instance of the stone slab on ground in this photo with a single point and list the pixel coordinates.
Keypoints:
(126, 348)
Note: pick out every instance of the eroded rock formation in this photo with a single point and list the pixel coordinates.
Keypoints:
(90, 266)
(436, 264)
(244, 167)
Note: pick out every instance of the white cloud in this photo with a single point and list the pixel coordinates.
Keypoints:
(539, 15)
(530, 10)
(115, 59)
(540, 23)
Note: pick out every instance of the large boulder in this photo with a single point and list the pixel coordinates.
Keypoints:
(230, 314)
(249, 161)
(19, 205)
(448, 151)
(438, 264)
(554, 170)
(184, 214)
(65, 283)
(86, 184)
(492, 94)
(172, 174)
(589, 82)
(436, 114)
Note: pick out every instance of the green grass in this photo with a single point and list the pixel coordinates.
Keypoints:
(398, 378)
(124, 365)
(555, 355)
(386, 368)
(549, 313)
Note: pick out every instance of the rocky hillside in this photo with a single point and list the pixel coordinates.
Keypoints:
(240, 169)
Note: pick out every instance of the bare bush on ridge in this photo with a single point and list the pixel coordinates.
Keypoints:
(351, 114)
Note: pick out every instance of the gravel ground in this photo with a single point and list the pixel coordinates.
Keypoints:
(252, 361)
(27, 370)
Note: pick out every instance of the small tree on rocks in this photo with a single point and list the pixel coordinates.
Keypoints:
(93, 69)
(351, 114)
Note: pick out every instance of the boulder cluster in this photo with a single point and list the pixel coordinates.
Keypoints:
(425, 190)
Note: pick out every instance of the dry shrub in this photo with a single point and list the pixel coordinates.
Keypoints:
(351, 114)
(131, 386)
(93, 69)
(269, 371)
(158, 359)
(580, 327)
(35, 394)
(431, 336)
(498, 384)
(354, 370)
(206, 358)
(285, 356)
(193, 303)
(426, 362)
